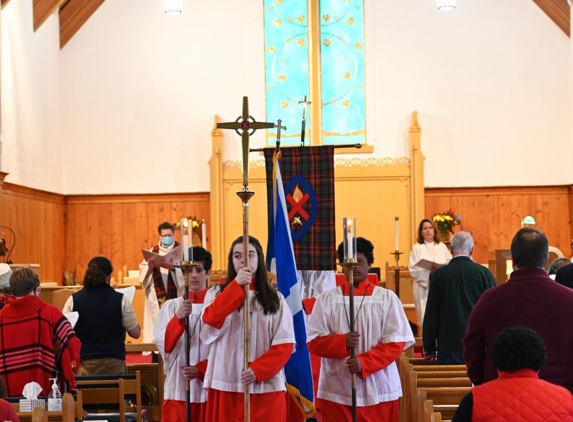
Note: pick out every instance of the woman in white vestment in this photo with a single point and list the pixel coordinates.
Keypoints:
(430, 248)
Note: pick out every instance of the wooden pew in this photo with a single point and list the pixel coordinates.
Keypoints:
(415, 383)
(430, 415)
(445, 399)
(111, 391)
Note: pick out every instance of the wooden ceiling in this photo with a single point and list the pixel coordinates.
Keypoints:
(558, 11)
(74, 13)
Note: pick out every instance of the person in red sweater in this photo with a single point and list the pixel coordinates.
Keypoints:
(7, 412)
(517, 394)
(36, 339)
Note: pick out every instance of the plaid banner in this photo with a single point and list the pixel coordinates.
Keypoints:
(308, 175)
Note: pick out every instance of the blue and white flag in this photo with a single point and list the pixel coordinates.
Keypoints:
(281, 262)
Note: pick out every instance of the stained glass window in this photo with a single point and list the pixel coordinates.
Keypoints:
(339, 72)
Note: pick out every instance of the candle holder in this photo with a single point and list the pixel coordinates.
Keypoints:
(397, 254)
(187, 266)
(350, 264)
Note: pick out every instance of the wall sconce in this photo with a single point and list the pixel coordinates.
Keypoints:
(173, 7)
(528, 220)
(446, 4)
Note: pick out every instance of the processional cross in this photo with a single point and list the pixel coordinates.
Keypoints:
(245, 126)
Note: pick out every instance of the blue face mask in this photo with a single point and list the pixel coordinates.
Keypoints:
(167, 240)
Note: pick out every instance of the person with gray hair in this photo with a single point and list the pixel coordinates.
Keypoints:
(454, 290)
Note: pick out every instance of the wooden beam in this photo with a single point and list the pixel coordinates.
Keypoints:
(43, 9)
(73, 15)
(558, 11)
(4, 3)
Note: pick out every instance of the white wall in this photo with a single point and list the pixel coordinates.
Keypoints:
(491, 81)
(31, 144)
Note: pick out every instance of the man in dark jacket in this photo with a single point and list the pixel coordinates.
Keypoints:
(454, 290)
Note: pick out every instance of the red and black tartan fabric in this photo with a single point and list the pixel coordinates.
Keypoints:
(160, 292)
(308, 179)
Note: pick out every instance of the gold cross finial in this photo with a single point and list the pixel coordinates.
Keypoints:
(245, 126)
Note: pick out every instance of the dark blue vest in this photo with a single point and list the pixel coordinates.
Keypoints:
(99, 327)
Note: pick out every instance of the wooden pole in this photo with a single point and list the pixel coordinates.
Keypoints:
(245, 196)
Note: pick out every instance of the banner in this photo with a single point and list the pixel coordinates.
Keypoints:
(308, 173)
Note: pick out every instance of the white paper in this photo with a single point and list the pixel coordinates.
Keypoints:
(129, 292)
(72, 317)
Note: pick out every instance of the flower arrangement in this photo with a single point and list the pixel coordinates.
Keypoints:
(445, 221)
(195, 223)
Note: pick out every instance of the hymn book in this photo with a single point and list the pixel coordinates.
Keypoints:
(428, 265)
(165, 261)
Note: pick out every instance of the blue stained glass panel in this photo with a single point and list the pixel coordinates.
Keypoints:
(342, 75)
(286, 66)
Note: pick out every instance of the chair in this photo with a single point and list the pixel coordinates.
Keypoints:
(110, 392)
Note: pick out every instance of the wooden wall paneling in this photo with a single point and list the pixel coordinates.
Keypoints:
(71, 241)
(493, 215)
(153, 220)
(93, 235)
(131, 256)
(37, 219)
(140, 233)
(117, 234)
(505, 218)
(481, 227)
(104, 217)
(82, 241)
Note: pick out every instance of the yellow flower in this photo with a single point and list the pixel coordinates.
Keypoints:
(195, 224)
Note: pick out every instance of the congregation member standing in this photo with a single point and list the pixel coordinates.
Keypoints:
(104, 317)
(5, 291)
(529, 299)
(271, 341)
(382, 333)
(454, 290)
(170, 341)
(428, 247)
(160, 283)
(36, 339)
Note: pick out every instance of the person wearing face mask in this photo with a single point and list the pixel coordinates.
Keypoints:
(271, 334)
(160, 283)
(36, 339)
(428, 247)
